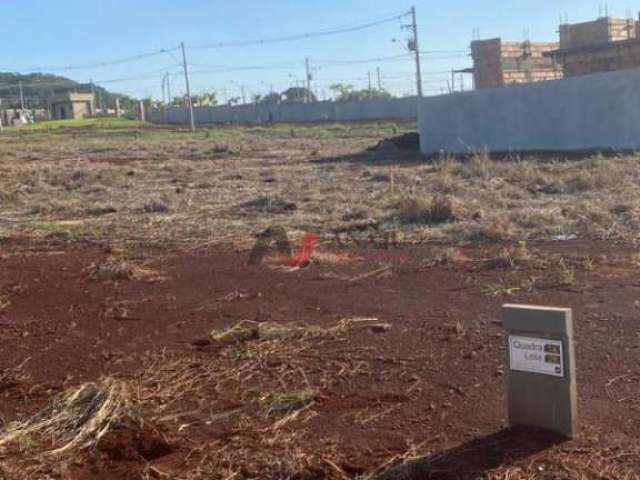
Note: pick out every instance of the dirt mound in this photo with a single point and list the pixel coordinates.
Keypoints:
(407, 141)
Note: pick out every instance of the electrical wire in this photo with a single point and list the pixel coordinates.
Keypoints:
(318, 65)
(119, 61)
(70, 84)
(332, 63)
(302, 36)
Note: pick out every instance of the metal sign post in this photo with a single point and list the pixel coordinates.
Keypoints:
(541, 380)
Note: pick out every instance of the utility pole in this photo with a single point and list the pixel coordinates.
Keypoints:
(169, 99)
(370, 91)
(94, 103)
(379, 79)
(186, 80)
(453, 81)
(164, 98)
(166, 89)
(242, 91)
(415, 47)
(308, 93)
(21, 96)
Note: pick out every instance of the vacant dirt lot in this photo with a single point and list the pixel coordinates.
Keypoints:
(138, 342)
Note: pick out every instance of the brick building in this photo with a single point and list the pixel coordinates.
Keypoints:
(603, 45)
(497, 63)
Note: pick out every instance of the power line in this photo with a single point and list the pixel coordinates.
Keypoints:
(303, 36)
(430, 52)
(135, 78)
(68, 84)
(444, 57)
(228, 69)
(119, 61)
(331, 63)
(289, 65)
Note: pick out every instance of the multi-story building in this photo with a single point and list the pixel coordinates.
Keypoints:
(602, 45)
(497, 63)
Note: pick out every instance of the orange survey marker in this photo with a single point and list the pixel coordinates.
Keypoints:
(303, 255)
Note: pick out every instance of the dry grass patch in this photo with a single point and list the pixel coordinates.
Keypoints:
(269, 204)
(250, 330)
(285, 403)
(508, 258)
(155, 206)
(166, 171)
(115, 269)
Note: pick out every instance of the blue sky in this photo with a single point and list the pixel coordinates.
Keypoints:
(47, 33)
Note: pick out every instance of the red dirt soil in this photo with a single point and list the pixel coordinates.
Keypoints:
(435, 379)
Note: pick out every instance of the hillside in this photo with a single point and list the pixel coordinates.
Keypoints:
(38, 87)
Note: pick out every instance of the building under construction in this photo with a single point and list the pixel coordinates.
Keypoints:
(603, 45)
(72, 105)
(497, 63)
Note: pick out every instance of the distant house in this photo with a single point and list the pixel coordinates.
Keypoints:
(72, 105)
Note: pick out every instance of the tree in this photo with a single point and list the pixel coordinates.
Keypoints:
(274, 98)
(347, 93)
(206, 100)
(298, 95)
(202, 100)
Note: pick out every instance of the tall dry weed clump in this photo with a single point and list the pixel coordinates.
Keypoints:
(417, 210)
(480, 166)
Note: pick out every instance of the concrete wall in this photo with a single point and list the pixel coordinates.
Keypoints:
(600, 111)
(376, 109)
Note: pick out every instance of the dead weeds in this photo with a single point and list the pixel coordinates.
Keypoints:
(78, 418)
(416, 210)
(152, 192)
(115, 269)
